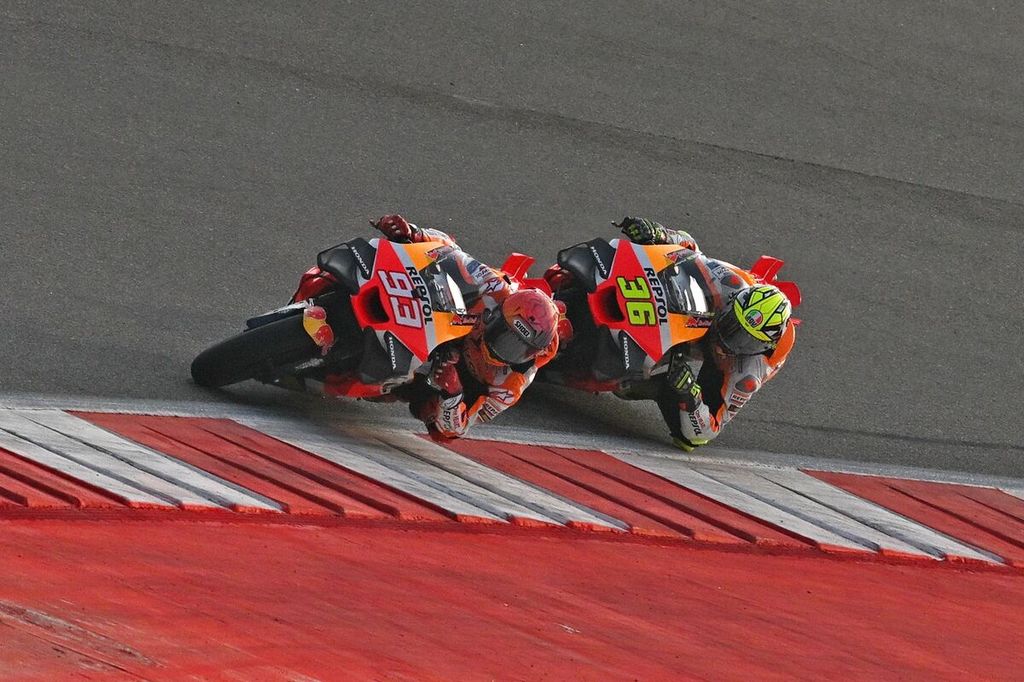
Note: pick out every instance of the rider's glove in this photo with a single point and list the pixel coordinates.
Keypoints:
(445, 376)
(683, 383)
(396, 228)
(643, 231)
(451, 421)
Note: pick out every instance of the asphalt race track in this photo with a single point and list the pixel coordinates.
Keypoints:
(169, 168)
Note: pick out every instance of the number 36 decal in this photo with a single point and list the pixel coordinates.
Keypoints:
(640, 308)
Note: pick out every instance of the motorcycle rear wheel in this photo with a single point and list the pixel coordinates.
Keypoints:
(254, 354)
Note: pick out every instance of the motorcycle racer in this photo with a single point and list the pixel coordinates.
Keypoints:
(709, 380)
(515, 332)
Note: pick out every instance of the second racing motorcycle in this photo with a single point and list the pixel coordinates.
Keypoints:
(629, 304)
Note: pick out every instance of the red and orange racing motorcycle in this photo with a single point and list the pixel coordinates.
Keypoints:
(391, 309)
(629, 304)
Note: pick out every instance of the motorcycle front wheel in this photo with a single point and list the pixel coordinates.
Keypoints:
(254, 354)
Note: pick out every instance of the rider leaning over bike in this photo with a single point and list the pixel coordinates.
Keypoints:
(709, 380)
(514, 334)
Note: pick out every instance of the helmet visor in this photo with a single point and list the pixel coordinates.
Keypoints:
(735, 340)
(506, 344)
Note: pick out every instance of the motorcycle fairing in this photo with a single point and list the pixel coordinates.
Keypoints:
(589, 262)
(384, 358)
(348, 262)
(394, 304)
(276, 314)
(517, 266)
(619, 357)
(603, 355)
(651, 297)
(765, 270)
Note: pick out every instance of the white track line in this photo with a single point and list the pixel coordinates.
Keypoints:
(840, 511)
(883, 520)
(686, 476)
(331, 448)
(438, 478)
(203, 488)
(29, 440)
(810, 510)
(541, 501)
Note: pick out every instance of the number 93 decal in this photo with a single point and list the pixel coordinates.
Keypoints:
(408, 297)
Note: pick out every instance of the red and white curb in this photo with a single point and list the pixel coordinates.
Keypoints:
(54, 459)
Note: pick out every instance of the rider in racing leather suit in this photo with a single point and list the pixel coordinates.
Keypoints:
(709, 380)
(515, 334)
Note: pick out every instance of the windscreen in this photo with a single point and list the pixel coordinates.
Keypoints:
(450, 287)
(683, 293)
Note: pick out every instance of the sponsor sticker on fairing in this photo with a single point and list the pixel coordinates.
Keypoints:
(391, 352)
(681, 256)
(600, 263)
(439, 252)
(364, 269)
(464, 319)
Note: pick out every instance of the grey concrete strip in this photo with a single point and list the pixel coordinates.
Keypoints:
(542, 501)
(206, 488)
(29, 440)
(686, 476)
(899, 529)
(377, 461)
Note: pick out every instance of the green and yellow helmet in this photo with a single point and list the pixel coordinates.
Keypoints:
(753, 320)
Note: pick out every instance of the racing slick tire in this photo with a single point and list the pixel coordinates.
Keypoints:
(254, 354)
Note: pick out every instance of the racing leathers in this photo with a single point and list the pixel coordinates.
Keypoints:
(704, 386)
(463, 385)
(722, 385)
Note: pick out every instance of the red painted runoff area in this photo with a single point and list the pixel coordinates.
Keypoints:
(152, 599)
